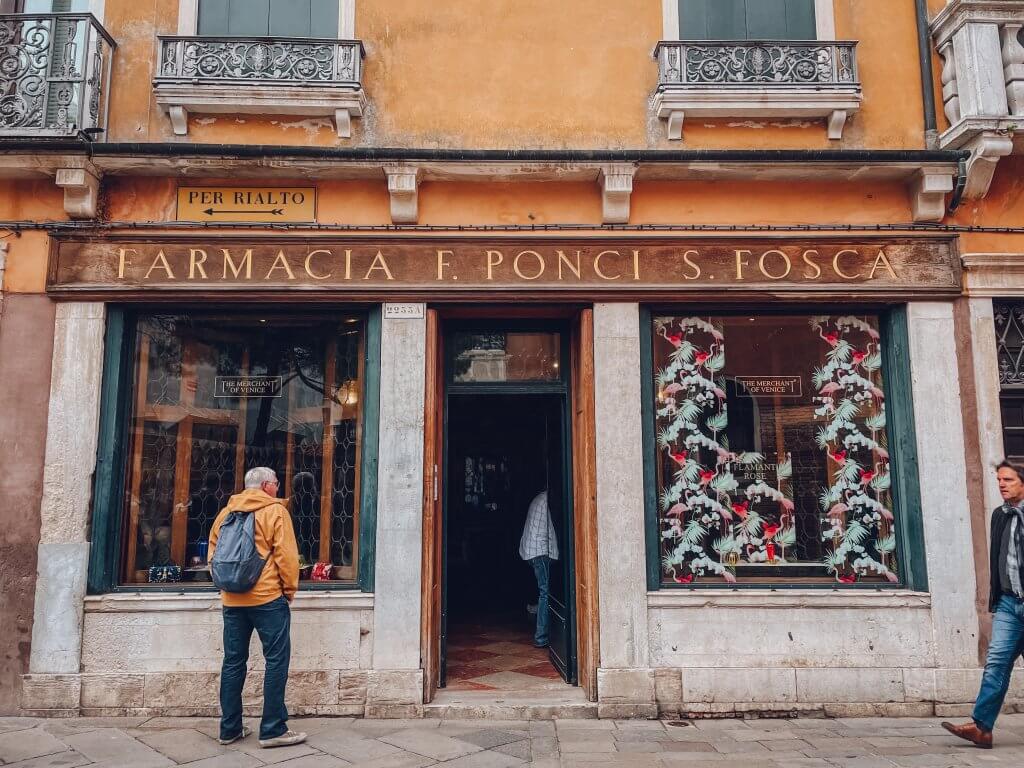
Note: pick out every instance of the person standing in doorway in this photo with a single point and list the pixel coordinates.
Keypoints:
(264, 607)
(1006, 601)
(539, 546)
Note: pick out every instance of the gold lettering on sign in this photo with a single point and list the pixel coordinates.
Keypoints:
(494, 258)
(597, 266)
(812, 264)
(161, 262)
(196, 265)
(237, 270)
(764, 269)
(381, 264)
(280, 263)
(691, 264)
(636, 264)
(122, 261)
(309, 262)
(838, 270)
(348, 264)
(441, 263)
(573, 267)
(882, 261)
(540, 264)
(740, 263)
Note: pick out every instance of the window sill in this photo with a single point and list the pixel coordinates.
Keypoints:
(834, 103)
(787, 599)
(140, 602)
(340, 102)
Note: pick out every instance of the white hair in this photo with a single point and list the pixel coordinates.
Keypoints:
(257, 476)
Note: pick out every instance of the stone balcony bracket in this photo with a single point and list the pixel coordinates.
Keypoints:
(319, 78)
(616, 189)
(928, 190)
(81, 187)
(757, 79)
(403, 190)
(979, 42)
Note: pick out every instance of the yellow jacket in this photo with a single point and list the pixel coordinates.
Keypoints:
(275, 541)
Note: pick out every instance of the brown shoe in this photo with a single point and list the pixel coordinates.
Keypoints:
(971, 732)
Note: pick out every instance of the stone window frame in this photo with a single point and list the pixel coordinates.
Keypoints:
(906, 490)
(188, 18)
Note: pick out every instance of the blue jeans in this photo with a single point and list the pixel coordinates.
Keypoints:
(1007, 644)
(272, 622)
(542, 570)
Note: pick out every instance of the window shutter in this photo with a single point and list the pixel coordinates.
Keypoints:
(249, 18)
(746, 20)
(289, 18)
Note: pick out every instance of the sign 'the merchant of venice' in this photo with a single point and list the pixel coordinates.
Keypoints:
(188, 264)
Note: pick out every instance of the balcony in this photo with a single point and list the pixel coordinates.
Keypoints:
(759, 79)
(260, 76)
(54, 75)
(982, 83)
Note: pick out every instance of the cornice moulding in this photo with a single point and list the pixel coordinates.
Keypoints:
(957, 13)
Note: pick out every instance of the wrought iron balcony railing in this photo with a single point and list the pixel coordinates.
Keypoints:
(54, 74)
(260, 61)
(756, 64)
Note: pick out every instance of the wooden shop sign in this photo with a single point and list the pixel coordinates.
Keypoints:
(342, 265)
(281, 204)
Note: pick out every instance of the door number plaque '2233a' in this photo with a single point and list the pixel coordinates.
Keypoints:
(284, 204)
(247, 386)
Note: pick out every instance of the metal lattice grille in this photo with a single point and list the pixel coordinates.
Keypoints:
(1009, 317)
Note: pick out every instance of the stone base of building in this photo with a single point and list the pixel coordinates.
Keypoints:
(633, 693)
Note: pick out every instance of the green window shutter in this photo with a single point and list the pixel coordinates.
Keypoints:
(213, 17)
(323, 19)
(304, 18)
(747, 20)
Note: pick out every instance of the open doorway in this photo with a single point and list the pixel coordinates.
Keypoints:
(507, 451)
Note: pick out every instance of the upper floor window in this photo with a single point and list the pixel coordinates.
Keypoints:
(747, 20)
(44, 6)
(268, 18)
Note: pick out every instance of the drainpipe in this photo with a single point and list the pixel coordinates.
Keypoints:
(924, 46)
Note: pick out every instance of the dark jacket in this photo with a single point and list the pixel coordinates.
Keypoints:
(999, 522)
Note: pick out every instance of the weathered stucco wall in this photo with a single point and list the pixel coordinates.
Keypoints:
(524, 74)
(26, 346)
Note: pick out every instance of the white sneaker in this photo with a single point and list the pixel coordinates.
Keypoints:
(245, 732)
(284, 740)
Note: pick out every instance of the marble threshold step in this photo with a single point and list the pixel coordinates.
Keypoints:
(569, 702)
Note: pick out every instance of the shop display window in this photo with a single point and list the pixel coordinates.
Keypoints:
(216, 395)
(505, 356)
(772, 450)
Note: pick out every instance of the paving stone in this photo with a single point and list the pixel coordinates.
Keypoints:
(185, 746)
(489, 759)
(25, 744)
(643, 736)
(927, 761)
(398, 760)
(68, 759)
(591, 742)
(520, 749)
(633, 747)
(687, 746)
(865, 761)
(544, 747)
(487, 738)
(19, 723)
(752, 734)
(114, 745)
(229, 760)
(732, 747)
(787, 745)
(316, 761)
(584, 725)
(430, 744)
(274, 755)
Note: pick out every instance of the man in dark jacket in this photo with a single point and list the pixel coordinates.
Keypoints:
(1006, 601)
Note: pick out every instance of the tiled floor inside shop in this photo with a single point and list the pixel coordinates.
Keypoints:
(498, 657)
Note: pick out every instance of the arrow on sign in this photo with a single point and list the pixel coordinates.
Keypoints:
(272, 211)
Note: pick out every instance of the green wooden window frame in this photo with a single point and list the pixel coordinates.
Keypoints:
(903, 467)
(107, 519)
(747, 20)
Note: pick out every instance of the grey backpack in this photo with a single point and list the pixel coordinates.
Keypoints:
(237, 564)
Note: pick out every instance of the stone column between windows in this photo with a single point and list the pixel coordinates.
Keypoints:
(71, 435)
(985, 358)
(625, 679)
(396, 679)
(935, 383)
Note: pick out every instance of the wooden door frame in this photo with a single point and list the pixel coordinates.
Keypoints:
(583, 484)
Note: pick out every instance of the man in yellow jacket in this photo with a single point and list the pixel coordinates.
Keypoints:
(264, 608)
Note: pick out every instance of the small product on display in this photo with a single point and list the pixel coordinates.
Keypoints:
(322, 572)
(164, 574)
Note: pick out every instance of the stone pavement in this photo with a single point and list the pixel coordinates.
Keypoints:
(334, 742)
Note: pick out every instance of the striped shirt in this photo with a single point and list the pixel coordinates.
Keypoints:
(538, 533)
